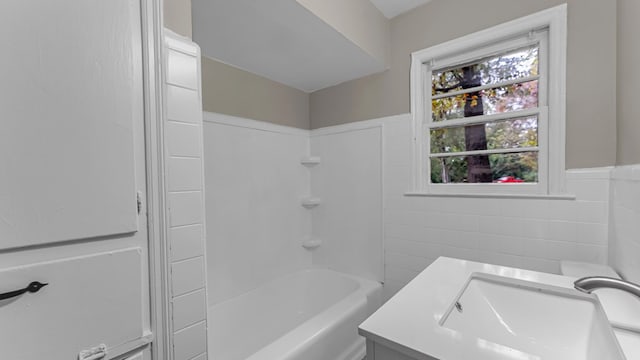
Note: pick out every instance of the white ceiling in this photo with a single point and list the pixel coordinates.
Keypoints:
(280, 40)
(393, 8)
(283, 41)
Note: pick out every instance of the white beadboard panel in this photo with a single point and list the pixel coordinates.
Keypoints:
(625, 222)
(183, 105)
(190, 342)
(186, 242)
(183, 139)
(185, 208)
(349, 182)
(184, 174)
(189, 309)
(187, 275)
(254, 184)
(180, 70)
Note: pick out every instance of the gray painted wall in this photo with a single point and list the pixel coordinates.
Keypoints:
(628, 144)
(232, 91)
(593, 82)
(177, 16)
(591, 75)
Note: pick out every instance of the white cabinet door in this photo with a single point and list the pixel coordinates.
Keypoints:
(70, 92)
(72, 159)
(88, 300)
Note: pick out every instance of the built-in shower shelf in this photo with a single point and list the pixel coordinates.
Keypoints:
(311, 244)
(310, 161)
(311, 202)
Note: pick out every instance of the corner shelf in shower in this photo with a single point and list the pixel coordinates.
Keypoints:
(310, 161)
(311, 202)
(310, 244)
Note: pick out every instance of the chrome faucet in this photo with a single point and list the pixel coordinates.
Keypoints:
(588, 284)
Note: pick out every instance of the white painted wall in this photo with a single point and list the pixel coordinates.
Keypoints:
(624, 228)
(255, 221)
(348, 180)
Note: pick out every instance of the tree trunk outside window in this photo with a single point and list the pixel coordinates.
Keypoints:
(478, 166)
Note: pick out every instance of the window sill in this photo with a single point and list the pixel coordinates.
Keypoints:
(494, 196)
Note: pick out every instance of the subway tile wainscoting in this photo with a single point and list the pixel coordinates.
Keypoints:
(624, 222)
(532, 234)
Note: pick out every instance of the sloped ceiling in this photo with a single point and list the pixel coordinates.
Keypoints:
(393, 8)
(280, 40)
(285, 41)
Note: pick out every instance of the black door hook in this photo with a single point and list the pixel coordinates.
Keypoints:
(32, 288)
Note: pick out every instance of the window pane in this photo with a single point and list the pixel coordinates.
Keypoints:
(500, 168)
(515, 64)
(506, 134)
(491, 101)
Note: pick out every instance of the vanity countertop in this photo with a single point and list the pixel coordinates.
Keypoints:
(409, 321)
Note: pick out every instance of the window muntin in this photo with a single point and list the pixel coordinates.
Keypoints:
(495, 69)
(501, 134)
(514, 97)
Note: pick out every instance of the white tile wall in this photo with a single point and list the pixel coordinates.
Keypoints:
(624, 252)
(528, 233)
(181, 69)
(349, 182)
(186, 242)
(185, 208)
(189, 309)
(255, 183)
(190, 342)
(185, 174)
(183, 104)
(187, 275)
(179, 139)
(255, 221)
(185, 197)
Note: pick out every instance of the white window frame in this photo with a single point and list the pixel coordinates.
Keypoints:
(551, 111)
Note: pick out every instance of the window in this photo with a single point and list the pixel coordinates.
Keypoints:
(489, 110)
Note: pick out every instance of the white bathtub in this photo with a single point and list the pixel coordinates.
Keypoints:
(309, 315)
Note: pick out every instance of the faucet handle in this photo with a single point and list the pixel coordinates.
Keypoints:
(590, 283)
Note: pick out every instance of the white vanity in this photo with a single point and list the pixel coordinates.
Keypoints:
(458, 309)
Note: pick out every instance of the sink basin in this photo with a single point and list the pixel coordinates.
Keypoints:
(532, 320)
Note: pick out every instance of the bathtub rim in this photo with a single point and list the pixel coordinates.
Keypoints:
(320, 324)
